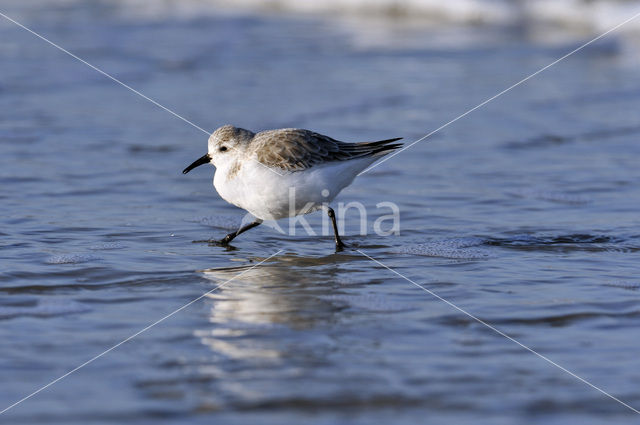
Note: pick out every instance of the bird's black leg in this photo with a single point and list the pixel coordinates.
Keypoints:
(225, 241)
(339, 245)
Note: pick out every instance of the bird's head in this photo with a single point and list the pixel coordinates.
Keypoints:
(225, 144)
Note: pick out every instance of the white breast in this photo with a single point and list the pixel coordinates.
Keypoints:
(270, 196)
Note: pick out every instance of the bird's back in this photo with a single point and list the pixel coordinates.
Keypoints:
(292, 149)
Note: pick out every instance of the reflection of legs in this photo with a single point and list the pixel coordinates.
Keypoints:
(230, 236)
(332, 215)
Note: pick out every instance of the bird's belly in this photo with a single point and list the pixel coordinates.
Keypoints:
(269, 196)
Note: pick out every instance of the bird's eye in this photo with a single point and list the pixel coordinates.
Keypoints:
(223, 148)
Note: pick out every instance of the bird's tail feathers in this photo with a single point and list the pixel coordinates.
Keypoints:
(381, 147)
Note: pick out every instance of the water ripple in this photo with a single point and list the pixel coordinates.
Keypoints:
(43, 308)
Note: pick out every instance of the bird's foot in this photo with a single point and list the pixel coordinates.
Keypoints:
(215, 242)
(224, 243)
(340, 246)
(220, 242)
(203, 241)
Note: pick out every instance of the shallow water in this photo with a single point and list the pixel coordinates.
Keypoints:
(523, 213)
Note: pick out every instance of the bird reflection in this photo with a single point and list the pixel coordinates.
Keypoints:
(277, 298)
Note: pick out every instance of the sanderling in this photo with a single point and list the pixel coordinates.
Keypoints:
(258, 172)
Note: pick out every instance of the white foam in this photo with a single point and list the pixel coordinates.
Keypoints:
(624, 284)
(598, 15)
(72, 258)
(458, 248)
(106, 246)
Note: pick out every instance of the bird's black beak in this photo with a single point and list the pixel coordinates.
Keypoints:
(205, 159)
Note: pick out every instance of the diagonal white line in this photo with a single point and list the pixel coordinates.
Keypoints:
(577, 49)
(111, 77)
(91, 360)
(499, 332)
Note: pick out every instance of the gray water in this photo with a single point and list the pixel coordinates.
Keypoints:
(523, 213)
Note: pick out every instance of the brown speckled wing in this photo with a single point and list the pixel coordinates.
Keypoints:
(293, 149)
